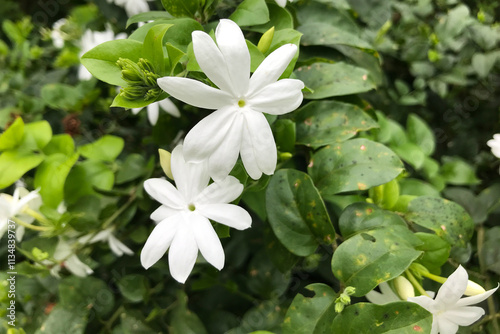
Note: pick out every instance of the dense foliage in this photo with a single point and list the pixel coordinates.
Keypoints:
(383, 172)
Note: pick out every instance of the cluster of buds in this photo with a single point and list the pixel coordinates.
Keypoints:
(141, 79)
(344, 299)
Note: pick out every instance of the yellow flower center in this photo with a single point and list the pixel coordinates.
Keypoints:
(241, 103)
(191, 207)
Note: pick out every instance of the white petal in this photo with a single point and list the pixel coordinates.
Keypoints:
(207, 135)
(232, 44)
(170, 107)
(445, 326)
(223, 159)
(428, 303)
(207, 240)
(25, 199)
(272, 67)
(248, 157)
(476, 299)
(262, 141)
(102, 235)
(183, 251)
(163, 212)
(135, 111)
(386, 296)
(464, 316)
(278, 98)
(118, 247)
(281, 3)
(165, 193)
(211, 61)
(190, 177)
(159, 240)
(454, 287)
(77, 267)
(227, 214)
(195, 93)
(224, 191)
(153, 112)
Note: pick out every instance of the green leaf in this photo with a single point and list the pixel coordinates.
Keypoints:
(359, 217)
(284, 134)
(13, 165)
(327, 122)
(447, 219)
(356, 164)
(40, 133)
(372, 257)
(133, 287)
(458, 172)
(322, 33)
(183, 320)
(490, 252)
(152, 48)
(327, 80)
(51, 176)
(311, 314)
(410, 153)
(420, 134)
(297, 213)
(436, 251)
(477, 209)
(267, 280)
(148, 16)
(86, 292)
(417, 188)
(180, 8)
(282, 37)
(84, 177)
(62, 143)
(106, 148)
(280, 18)
(101, 60)
(133, 167)
(61, 96)
(85, 214)
(398, 317)
(13, 136)
(64, 320)
(250, 13)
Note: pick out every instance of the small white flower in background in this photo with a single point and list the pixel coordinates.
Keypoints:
(57, 34)
(495, 145)
(106, 235)
(449, 310)
(154, 110)
(132, 7)
(13, 206)
(183, 218)
(281, 3)
(64, 252)
(238, 126)
(91, 39)
(385, 296)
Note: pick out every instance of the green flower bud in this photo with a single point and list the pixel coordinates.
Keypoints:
(265, 41)
(132, 93)
(350, 290)
(339, 307)
(404, 288)
(145, 65)
(165, 157)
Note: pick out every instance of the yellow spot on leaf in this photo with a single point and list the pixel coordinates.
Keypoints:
(361, 186)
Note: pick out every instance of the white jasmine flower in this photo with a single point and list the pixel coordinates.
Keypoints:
(154, 110)
(64, 252)
(385, 296)
(91, 39)
(238, 126)
(115, 245)
(132, 7)
(281, 3)
(57, 35)
(495, 145)
(183, 218)
(449, 310)
(13, 206)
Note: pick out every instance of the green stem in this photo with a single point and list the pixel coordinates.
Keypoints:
(37, 216)
(118, 212)
(416, 284)
(433, 277)
(32, 227)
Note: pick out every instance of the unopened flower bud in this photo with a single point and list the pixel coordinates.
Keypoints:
(350, 290)
(132, 93)
(145, 65)
(473, 289)
(265, 41)
(165, 157)
(339, 307)
(404, 288)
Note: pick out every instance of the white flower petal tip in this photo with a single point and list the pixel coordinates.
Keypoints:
(449, 311)
(494, 144)
(228, 131)
(183, 226)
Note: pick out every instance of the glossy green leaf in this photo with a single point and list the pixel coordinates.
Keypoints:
(267, 281)
(14, 164)
(90, 292)
(64, 320)
(490, 252)
(297, 213)
(284, 135)
(311, 314)
(250, 12)
(323, 33)
(153, 47)
(181, 8)
(447, 219)
(328, 122)
(62, 143)
(420, 134)
(148, 16)
(101, 60)
(133, 167)
(356, 164)
(374, 256)
(436, 250)
(417, 187)
(61, 96)
(458, 172)
(327, 80)
(13, 136)
(367, 318)
(133, 287)
(86, 175)
(477, 208)
(359, 217)
(280, 18)
(39, 133)
(106, 148)
(51, 176)
(411, 153)
(183, 320)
